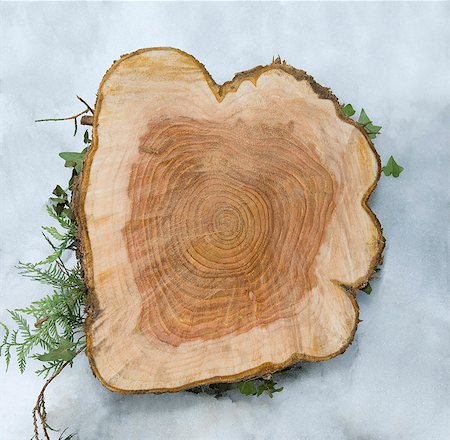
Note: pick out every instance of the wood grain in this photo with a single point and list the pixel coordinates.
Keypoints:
(224, 229)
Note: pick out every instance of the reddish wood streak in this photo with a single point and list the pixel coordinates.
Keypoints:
(225, 225)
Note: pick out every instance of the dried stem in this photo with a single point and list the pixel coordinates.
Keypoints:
(39, 409)
(87, 110)
(64, 119)
(86, 104)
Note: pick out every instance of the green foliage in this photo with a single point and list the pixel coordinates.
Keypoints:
(257, 387)
(371, 130)
(348, 110)
(73, 160)
(61, 205)
(64, 352)
(367, 289)
(363, 120)
(86, 138)
(250, 387)
(59, 317)
(392, 168)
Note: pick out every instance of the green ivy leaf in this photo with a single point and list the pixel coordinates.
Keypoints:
(367, 289)
(86, 138)
(74, 160)
(68, 213)
(392, 168)
(65, 352)
(59, 208)
(363, 118)
(248, 388)
(370, 128)
(268, 385)
(58, 191)
(348, 110)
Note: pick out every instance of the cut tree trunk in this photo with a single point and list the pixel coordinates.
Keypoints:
(224, 230)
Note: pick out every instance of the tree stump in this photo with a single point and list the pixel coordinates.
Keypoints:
(224, 230)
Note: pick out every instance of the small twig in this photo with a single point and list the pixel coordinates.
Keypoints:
(74, 117)
(87, 120)
(41, 321)
(58, 261)
(64, 119)
(86, 104)
(38, 407)
(35, 425)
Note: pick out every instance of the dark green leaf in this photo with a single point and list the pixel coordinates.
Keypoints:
(69, 213)
(348, 110)
(58, 200)
(64, 352)
(367, 289)
(370, 128)
(392, 168)
(76, 127)
(86, 138)
(58, 191)
(72, 178)
(248, 388)
(74, 160)
(59, 208)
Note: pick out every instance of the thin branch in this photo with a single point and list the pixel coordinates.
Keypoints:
(88, 109)
(58, 261)
(37, 410)
(64, 119)
(86, 104)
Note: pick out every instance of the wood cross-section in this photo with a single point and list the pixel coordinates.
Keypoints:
(224, 230)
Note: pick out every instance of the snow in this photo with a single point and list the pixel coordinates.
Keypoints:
(392, 58)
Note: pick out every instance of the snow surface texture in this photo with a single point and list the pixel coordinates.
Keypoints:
(391, 58)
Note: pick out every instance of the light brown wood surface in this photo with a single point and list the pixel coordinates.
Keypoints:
(224, 229)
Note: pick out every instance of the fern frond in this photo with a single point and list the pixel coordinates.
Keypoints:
(53, 232)
(51, 275)
(63, 222)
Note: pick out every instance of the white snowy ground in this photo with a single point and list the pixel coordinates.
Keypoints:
(394, 59)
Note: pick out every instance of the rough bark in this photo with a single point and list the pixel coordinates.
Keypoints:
(224, 230)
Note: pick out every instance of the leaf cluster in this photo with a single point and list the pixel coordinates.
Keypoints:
(363, 120)
(75, 160)
(251, 387)
(59, 317)
(259, 386)
(391, 168)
